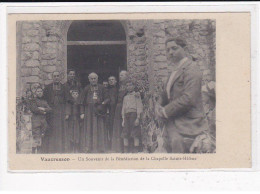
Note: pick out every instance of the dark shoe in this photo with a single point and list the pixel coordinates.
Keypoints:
(126, 150)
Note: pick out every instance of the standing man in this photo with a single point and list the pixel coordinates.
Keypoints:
(181, 102)
(71, 86)
(93, 101)
(112, 94)
(54, 94)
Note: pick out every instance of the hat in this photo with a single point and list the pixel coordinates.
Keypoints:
(100, 109)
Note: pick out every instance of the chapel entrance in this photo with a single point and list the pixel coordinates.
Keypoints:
(96, 46)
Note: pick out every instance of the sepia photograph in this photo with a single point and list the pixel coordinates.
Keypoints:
(116, 86)
(129, 91)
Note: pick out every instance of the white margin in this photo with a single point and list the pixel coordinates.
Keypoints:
(177, 178)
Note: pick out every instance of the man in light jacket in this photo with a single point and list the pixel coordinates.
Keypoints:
(181, 102)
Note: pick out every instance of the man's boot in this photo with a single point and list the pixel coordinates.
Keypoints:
(135, 149)
(126, 150)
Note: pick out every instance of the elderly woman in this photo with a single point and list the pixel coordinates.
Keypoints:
(117, 142)
(92, 101)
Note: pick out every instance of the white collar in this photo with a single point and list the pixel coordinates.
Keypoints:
(180, 63)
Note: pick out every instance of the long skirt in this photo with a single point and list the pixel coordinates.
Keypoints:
(117, 141)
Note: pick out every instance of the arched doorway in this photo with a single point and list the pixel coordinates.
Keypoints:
(96, 46)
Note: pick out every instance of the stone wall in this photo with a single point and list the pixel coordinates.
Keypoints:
(41, 50)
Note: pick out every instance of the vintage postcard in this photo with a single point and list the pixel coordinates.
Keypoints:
(129, 91)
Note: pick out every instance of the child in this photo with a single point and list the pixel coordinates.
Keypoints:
(131, 112)
(73, 121)
(39, 109)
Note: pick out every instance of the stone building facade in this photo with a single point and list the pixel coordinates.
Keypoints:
(42, 49)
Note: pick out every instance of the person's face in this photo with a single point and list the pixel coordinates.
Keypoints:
(122, 76)
(28, 94)
(112, 81)
(130, 87)
(39, 92)
(34, 86)
(56, 76)
(93, 80)
(71, 75)
(74, 94)
(174, 52)
(105, 84)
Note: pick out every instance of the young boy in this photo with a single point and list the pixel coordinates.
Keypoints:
(39, 109)
(73, 120)
(131, 112)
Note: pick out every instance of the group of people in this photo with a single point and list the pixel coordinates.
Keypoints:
(106, 118)
(67, 118)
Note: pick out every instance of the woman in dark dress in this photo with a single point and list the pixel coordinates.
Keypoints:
(117, 141)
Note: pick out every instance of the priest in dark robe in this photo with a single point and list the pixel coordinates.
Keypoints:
(93, 100)
(54, 94)
(71, 85)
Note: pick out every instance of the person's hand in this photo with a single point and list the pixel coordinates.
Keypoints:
(137, 121)
(82, 116)
(137, 94)
(158, 111)
(41, 108)
(66, 117)
(123, 123)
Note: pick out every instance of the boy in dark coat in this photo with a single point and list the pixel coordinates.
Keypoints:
(73, 121)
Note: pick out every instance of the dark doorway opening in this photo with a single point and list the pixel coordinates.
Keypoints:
(96, 46)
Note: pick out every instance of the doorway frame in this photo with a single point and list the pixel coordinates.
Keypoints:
(65, 28)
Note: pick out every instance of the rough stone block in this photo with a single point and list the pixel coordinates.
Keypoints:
(50, 45)
(36, 25)
(35, 39)
(26, 26)
(35, 55)
(26, 55)
(139, 52)
(160, 34)
(49, 75)
(141, 58)
(44, 39)
(47, 82)
(26, 72)
(32, 79)
(158, 21)
(49, 68)
(49, 56)
(159, 47)
(139, 63)
(52, 39)
(33, 32)
(160, 58)
(35, 71)
(31, 47)
(32, 63)
(26, 39)
(48, 51)
(159, 40)
(131, 47)
(161, 65)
